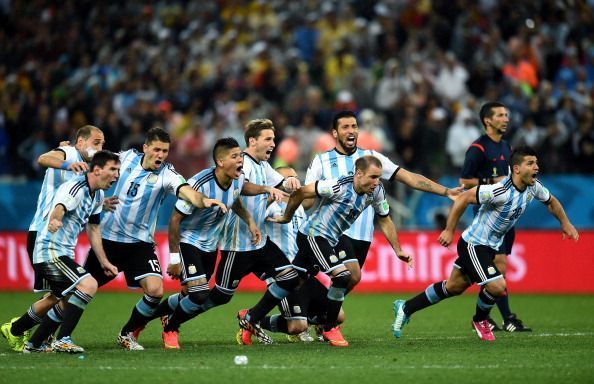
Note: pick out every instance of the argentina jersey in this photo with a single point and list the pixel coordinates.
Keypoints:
(141, 193)
(501, 205)
(203, 227)
(79, 204)
(332, 165)
(51, 181)
(338, 206)
(236, 236)
(284, 235)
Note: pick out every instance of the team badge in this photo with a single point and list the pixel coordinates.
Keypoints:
(235, 194)
(296, 309)
(235, 283)
(485, 195)
(333, 259)
(341, 255)
(491, 270)
(192, 269)
(151, 179)
(80, 270)
(385, 205)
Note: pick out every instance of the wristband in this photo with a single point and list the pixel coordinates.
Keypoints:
(65, 165)
(174, 258)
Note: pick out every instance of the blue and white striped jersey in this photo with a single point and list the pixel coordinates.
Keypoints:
(332, 165)
(501, 205)
(338, 206)
(284, 235)
(75, 195)
(141, 193)
(202, 228)
(236, 236)
(51, 181)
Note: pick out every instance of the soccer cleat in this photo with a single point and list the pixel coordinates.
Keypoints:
(43, 348)
(136, 332)
(66, 345)
(303, 337)
(513, 324)
(253, 328)
(129, 343)
(400, 318)
(16, 343)
(243, 337)
(334, 337)
(493, 325)
(170, 340)
(483, 330)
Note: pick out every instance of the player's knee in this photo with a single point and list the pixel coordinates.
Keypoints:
(497, 288)
(218, 297)
(289, 280)
(341, 279)
(154, 290)
(198, 293)
(49, 299)
(88, 285)
(295, 327)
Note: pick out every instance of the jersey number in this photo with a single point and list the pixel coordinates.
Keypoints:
(133, 190)
(155, 265)
(517, 212)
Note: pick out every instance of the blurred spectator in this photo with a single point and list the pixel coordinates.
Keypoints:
(460, 135)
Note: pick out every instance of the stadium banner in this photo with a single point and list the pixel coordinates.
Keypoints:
(541, 262)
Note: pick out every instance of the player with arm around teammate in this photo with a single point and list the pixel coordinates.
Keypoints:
(339, 202)
(501, 205)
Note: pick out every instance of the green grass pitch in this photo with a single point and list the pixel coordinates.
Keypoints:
(437, 346)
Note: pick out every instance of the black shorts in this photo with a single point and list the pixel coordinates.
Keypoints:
(61, 274)
(316, 253)
(309, 302)
(136, 260)
(196, 263)
(354, 250)
(234, 265)
(39, 283)
(476, 262)
(508, 242)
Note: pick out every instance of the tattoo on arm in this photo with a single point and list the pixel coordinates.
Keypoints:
(424, 186)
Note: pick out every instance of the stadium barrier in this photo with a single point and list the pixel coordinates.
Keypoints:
(540, 263)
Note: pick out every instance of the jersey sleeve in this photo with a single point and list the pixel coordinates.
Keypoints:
(70, 195)
(493, 194)
(388, 167)
(314, 171)
(273, 178)
(472, 162)
(173, 180)
(380, 204)
(327, 188)
(99, 204)
(541, 193)
(185, 207)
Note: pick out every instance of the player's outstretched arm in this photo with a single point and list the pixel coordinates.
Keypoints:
(555, 207)
(422, 183)
(389, 230)
(460, 204)
(174, 267)
(198, 199)
(94, 234)
(55, 159)
(305, 192)
(251, 189)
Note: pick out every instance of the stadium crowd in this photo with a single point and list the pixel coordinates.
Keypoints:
(415, 71)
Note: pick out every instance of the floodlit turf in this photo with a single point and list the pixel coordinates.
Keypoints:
(437, 346)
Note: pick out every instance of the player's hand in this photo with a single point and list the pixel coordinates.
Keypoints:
(453, 193)
(276, 194)
(78, 167)
(256, 234)
(64, 143)
(278, 219)
(408, 259)
(109, 269)
(291, 184)
(174, 271)
(210, 202)
(109, 204)
(54, 225)
(445, 238)
(570, 231)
